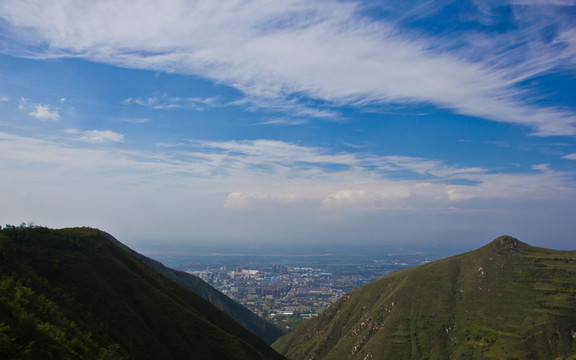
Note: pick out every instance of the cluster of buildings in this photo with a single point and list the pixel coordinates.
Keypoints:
(289, 289)
(283, 291)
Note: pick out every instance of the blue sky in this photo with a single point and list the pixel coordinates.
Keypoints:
(422, 123)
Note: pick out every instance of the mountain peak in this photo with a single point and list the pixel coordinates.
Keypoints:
(506, 300)
(506, 244)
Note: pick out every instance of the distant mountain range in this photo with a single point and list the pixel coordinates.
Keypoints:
(80, 294)
(506, 300)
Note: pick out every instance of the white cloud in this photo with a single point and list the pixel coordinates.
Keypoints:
(43, 112)
(195, 189)
(389, 196)
(97, 136)
(569, 156)
(4, 99)
(130, 120)
(437, 194)
(284, 122)
(250, 200)
(261, 173)
(273, 51)
(291, 107)
(541, 167)
(22, 104)
(268, 172)
(164, 102)
(102, 136)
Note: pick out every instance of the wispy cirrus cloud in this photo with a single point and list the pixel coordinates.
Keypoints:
(214, 187)
(165, 102)
(130, 120)
(285, 121)
(96, 136)
(267, 170)
(544, 2)
(287, 51)
(292, 107)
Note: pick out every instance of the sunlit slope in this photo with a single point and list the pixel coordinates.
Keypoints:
(75, 294)
(506, 300)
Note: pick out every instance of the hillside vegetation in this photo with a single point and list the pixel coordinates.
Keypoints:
(267, 331)
(76, 294)
(506, 300)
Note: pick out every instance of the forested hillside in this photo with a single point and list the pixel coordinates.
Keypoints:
(74, 293)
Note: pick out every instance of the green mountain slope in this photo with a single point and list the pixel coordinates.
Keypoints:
(506, 300)
(241, 314)
(75, 294)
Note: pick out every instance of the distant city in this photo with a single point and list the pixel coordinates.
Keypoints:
(289, 289)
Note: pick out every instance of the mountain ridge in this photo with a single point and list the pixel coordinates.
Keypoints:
(83, 286)
(238, 312)
(506, 299)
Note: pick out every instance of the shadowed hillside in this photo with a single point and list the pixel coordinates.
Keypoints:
(506, 300)
(238, 312)
(75, 294)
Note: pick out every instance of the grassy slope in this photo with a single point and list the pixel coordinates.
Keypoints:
(506, 300)
(241, 314)
(105, 291)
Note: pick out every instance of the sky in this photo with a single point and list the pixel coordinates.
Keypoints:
(188, 123)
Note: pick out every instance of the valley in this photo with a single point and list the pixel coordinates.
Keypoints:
(80, 293)
(288, 289)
